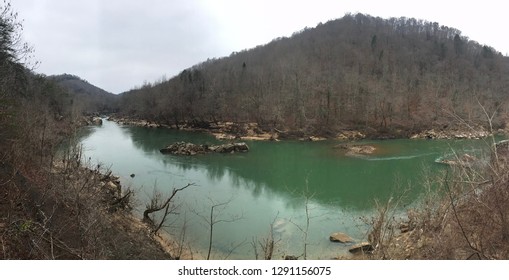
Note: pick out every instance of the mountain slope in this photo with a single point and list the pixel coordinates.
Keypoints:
(356, 72)
(91, 98)
(78, 85)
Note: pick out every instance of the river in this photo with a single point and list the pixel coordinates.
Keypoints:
(272, 183)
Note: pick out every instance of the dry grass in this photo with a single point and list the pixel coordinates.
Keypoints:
(464, 216)
(68, 213)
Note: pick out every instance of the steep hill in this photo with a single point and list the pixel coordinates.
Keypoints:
(91, 98)
(359, 72)
(51, 205)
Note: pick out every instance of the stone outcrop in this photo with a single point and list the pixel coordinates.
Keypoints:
(350, 135)
(340, 237)
(356, 150)
(135, 122)
(315, 138)
(190, 149)
(97, 121)
(111, 184)
(183, 148)
(451, 134)
(90, 120)
(239, 147)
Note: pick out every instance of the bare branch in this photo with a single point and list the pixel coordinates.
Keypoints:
(156, 205)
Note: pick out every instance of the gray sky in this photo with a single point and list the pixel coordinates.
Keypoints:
(120, 44)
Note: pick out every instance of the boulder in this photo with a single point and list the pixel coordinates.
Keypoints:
(230, 148)
(315, 138)
(353, 150)
(183, 148)
(350, 135)
(340, 237)
(112, 188)
(364, 247)
(97, 121)
(476, 133)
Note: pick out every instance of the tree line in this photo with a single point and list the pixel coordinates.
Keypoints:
(358, 71)
(51, 207)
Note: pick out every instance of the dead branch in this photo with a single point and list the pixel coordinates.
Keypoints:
(156, 205)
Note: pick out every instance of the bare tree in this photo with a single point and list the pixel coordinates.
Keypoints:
(307, 195)
(215, 218)
(267, 244)
(157, 203)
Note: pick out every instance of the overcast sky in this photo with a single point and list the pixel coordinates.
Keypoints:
(120, 44)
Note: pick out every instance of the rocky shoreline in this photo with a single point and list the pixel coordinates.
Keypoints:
(251, 131)
(478, 133)
(242, 131)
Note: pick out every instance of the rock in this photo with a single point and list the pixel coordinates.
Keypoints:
(364, 247)
(224, 136)
(112, 187)
(230, 148)
(315, 138)
(97, 121)
(183, 148)
(350, 135)
(475, 133)
(353, 150)
(340, 237)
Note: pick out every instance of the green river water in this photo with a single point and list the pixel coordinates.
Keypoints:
(267, 185)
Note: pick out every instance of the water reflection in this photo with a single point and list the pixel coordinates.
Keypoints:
(284, 168)
(267, 182)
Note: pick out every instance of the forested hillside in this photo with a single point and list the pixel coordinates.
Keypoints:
(381, 76)
(89, 98)
(357, 72)
(51, 205)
